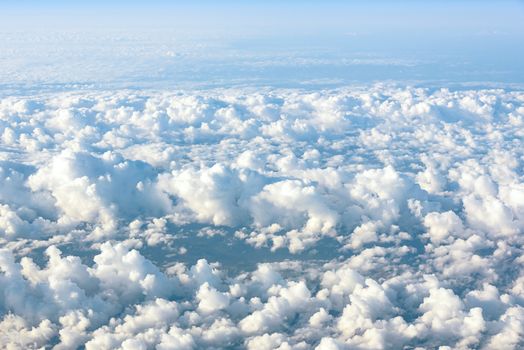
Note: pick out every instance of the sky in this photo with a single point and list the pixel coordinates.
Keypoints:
(261, 175)
(182, 43)
(378, 15)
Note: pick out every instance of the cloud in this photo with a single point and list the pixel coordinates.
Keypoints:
(379, 217)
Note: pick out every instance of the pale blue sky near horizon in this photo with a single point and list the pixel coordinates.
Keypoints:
(274, 43)
(379, 14)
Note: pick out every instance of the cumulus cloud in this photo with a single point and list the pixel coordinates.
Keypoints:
(381, 217)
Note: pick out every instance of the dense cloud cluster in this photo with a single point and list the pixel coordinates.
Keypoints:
(380, 217)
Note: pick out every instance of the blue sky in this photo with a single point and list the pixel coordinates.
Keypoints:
(465, 15)
(267, 42)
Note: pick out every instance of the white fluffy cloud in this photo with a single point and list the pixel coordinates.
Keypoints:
(368, 218)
